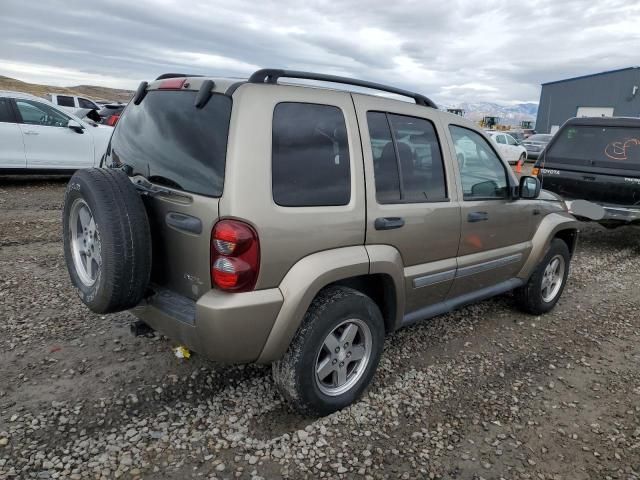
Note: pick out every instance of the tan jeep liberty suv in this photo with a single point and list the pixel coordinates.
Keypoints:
(298, 225)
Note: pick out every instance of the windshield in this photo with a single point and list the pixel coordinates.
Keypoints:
(604, 147)
(171, 142)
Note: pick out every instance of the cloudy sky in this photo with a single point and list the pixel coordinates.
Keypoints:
(453, 51)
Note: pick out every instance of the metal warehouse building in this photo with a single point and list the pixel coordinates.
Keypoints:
(613, 93)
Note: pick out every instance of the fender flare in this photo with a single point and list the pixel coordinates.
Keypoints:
(549, 227)
(300, 286)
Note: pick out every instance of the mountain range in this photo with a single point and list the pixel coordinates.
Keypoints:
(508, 114)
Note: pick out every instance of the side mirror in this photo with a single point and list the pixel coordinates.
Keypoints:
(529, 187)
(75, 126)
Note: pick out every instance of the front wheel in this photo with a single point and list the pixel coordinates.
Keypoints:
(543, 290)
(334, 354)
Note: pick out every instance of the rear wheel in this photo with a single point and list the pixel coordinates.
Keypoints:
(544, 288)
(334, 354)
(107, 244)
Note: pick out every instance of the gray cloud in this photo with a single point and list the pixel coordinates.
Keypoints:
(456, 51)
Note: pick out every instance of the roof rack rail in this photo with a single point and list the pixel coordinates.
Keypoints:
(271, 75)
(176, 75)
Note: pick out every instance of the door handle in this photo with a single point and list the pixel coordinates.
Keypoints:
(477, 217)
(389, 223)
(30, 132)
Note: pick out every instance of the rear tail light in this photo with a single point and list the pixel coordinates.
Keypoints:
(112, 120)
(235, 256)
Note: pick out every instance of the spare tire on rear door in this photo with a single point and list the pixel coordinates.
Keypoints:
(107, 241)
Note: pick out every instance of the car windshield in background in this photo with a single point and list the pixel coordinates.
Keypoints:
(591, 146)
(540, 138)
(171, 142)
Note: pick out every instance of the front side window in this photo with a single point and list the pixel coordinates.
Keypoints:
(84, 103)
(407, 160)
(310, 156)
(511, 140)
(65, 101)
(36, 113)
(5, 111)
(483, 174)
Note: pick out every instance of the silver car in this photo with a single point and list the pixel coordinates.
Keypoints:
(535, 144)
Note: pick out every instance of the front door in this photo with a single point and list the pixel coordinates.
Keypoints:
(503, 147)
(414, 205)
(496, 229)
(11, 143)
(48, 142)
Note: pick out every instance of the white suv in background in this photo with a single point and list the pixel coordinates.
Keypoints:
(36, 135)
(72, 102)
(510, 149)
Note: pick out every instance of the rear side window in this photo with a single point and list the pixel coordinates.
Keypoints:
(171, 142)
(605, 147)
(65, 101)
(5, 111)
(310, 156)
(406, 159)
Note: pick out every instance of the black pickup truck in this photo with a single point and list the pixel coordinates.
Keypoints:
(594, 164)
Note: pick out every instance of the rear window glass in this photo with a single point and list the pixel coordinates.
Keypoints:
(171, 142)
(605, 147)
(310, 155)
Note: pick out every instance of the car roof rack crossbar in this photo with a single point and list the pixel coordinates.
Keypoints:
(176, 75)
(271, 75)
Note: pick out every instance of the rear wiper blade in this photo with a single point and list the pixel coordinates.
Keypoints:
(152, 189)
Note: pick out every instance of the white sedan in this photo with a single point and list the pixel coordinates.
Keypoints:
(510, 149)
(36, 135)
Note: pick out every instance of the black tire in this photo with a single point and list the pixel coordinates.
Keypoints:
(529, 297)
(522, 159)
(295, 373)
(122, 228)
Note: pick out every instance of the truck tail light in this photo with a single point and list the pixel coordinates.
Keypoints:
(112, 120)
(235, 256)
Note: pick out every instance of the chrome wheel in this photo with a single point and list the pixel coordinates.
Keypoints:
(552, 278)
(343, 357)
(85, 242)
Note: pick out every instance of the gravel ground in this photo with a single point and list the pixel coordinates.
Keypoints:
(485, 392)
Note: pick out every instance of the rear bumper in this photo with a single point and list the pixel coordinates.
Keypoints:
(223, 327)
(603, 213)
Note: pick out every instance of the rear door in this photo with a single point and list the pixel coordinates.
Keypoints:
(11, 142)
(414, 205)
(49, 143)
(171, 145)
(496, 230)
(595, 163)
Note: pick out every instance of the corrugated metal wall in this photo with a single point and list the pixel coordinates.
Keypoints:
(559, 101)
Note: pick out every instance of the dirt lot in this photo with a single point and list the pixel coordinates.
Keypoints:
(486, 392)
